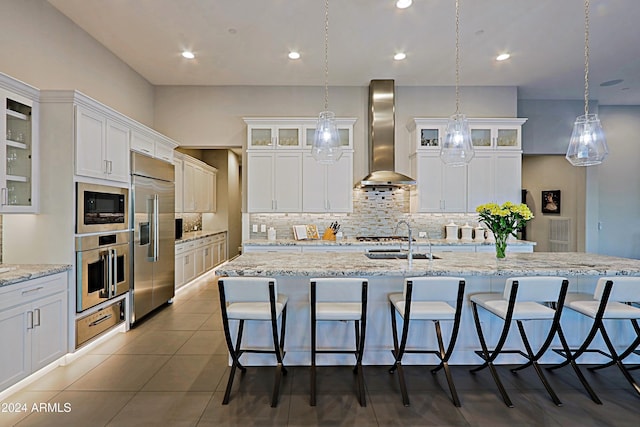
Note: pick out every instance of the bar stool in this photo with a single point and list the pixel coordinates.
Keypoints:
(253, 298)
(427, 298)
(613, 299)
(523, 299)
(341, 299)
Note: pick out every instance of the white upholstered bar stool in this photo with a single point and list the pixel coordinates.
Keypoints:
(427, 298)
(339, 299)
(253, 298)
(614, 299)
(524, 299)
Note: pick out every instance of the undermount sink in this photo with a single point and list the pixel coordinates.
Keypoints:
(396, 254)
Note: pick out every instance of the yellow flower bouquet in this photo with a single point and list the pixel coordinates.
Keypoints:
(504, 220)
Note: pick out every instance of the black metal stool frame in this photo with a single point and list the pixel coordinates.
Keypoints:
(616, 359)
(360, 330)
(532, 358)
(399, 349)
(237, 351)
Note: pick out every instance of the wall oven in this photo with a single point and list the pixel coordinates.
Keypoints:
(102, 268)
(101, 208)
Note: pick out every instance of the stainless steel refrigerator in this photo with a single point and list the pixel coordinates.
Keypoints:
(153, 240)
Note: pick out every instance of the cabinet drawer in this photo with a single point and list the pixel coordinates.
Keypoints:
(31, 290)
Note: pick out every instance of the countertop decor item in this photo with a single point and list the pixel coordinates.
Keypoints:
(504, 220)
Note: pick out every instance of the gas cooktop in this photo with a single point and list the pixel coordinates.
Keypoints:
(383, 239)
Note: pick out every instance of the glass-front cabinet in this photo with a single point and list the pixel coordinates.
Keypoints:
(272, 136)
(18, 138)
(496, 133)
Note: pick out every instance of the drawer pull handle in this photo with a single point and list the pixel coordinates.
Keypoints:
(32, 290)
(100, 320)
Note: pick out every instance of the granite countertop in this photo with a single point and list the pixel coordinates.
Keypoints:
(195, 235)
(456, 264)
(354, 242)
(11, 274)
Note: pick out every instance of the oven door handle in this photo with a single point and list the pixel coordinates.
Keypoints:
(105, 258)
(114, 272)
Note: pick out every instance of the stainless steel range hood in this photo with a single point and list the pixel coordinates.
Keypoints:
(382, 137)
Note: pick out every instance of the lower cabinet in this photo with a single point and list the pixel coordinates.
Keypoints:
(33, 325)
(199, 256)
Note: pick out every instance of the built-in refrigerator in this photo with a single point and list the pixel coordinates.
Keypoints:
(153, 239)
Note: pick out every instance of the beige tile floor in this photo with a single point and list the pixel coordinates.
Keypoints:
(171, 370)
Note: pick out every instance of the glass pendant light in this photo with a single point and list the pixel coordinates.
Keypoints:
(326, 146)
(588, 145)
(457, 148)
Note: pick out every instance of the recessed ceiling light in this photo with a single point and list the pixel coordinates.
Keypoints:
(294, 55)
(188, 54)
(403, 4)
(399, 56)
(503, 57)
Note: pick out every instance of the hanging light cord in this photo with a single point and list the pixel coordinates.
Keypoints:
(326, 55)
(458, 57)
(586, 57)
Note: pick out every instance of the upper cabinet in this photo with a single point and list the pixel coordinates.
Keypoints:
(493, 175)
(198, 185)
(283, 177)
(19, 182)
(152, 144)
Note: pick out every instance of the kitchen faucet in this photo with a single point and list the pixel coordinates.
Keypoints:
(410, 254)
(429, 241)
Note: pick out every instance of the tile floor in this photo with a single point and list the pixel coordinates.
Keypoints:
(171, 370)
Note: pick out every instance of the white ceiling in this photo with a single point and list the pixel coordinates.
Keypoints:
(246, 42)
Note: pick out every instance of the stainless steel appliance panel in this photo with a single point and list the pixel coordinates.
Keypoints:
(153, 217)
(101, 208)
(102, 268)
(94, 324)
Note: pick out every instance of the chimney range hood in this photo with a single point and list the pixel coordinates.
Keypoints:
(382, 137)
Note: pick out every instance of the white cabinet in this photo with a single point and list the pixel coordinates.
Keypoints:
(504, 134)
(19, 179)
(33, 319)
(274, 181)
(102, 146)
(440, 188)
(269, 133)
(327, 188)
(198, 183)
(153, 145)
(196, 257)
(495, 176)
(178, 166)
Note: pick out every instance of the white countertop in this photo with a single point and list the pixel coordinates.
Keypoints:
(195, 235)
(456, 264)
(15, 273)
(354, 242)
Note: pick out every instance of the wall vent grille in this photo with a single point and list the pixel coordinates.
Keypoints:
(559, 234)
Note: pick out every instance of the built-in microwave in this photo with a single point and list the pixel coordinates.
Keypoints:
(101, 208)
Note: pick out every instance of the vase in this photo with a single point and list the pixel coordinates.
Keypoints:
(501, 245)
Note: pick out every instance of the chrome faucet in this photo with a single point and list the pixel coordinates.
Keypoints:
(429, 241)
(410, 254)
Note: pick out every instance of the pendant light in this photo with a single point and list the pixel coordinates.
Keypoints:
(457, 148)
(587, 146)
(326, 140)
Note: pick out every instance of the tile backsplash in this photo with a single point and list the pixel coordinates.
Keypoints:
(376, 211)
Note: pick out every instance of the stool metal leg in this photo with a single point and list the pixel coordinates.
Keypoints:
(398, 351)
(235, 354)
(312, 378)
(445, 364)
(617, 359)
(278, 344)
(490, 357)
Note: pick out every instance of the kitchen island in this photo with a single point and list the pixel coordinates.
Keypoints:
(482, 272)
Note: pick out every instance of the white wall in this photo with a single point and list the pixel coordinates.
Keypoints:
(45, 49)
(619, 183)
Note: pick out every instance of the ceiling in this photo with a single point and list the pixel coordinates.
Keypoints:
(246, 42)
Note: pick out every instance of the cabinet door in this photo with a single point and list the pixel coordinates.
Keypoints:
(90, 143)
(213, 182)
(142, 143)
(261, 137)
(288, 182)
(314, 185)
(207, 190)
(49, 341)
(189, 190)
(209, 254)
(163, 151)
(117, 152)
(179, 195)
(189, 266)
(260, 174)
(508, 177)
(340, 185)
(429, 184)
(199, 260)
(454, 189)
(19, 147)
(179, 270)
(481, 180)
(15, 356)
